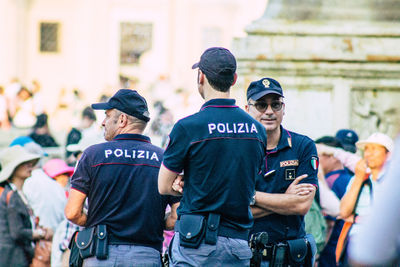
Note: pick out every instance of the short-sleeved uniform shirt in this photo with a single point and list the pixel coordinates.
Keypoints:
(120, 179)
(221, 150)
(295, 155)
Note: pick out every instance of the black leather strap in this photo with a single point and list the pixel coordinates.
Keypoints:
(225, 232)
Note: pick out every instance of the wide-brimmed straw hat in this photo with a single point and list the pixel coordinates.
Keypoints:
(11, 157)
(379, 139)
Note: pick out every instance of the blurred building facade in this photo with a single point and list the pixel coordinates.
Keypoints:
(101, 45)
(338, 62)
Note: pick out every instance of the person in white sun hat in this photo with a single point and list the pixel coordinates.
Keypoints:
(357, 201)
(17, 221)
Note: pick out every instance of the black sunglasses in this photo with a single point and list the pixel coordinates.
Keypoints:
(263, 106)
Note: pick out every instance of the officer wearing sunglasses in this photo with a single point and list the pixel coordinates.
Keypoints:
(287, 187)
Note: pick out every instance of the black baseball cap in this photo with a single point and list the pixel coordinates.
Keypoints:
(265, 86)
(217, 62)
(329, 141)
(127, 101)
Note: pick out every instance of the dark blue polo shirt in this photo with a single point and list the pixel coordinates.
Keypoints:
(120, 180)
(295, 155)
(221, 150)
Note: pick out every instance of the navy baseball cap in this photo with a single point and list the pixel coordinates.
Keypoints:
(265, 86)
(348, 139)
(127, 101)
(216, 62)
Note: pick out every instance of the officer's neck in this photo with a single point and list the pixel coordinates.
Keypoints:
(273, 138)
(130, 130)
(210, 93)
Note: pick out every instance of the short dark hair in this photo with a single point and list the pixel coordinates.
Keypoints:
(221, 84)
(219, 66)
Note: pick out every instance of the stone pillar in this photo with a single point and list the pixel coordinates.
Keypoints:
(338, 63)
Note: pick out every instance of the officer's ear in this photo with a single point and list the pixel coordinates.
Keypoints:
(123, 119)
(234, 79)
(200, 77)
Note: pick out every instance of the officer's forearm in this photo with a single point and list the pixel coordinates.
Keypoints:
(81, 220)
(285, 204)
(259, 212)
(165, 182)
(74, 209)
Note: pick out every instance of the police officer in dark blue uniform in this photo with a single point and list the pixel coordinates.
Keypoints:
(119, 180)
(286, 191)
(220, 149)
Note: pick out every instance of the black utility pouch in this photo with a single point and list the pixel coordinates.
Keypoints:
(102, 242)
(212, 229)
(75, 259)
(191, 230)
(297, 251)
(86, 242)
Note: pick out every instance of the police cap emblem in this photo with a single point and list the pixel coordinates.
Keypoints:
(266, 83)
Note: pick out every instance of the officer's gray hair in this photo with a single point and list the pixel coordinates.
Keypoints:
(135, 122)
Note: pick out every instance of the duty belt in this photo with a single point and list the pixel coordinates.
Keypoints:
(225, 232)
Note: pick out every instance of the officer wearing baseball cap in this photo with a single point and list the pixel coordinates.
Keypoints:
(220, 149)
(119, 180)
(286, 190)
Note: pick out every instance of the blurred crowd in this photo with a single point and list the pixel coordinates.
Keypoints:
(38, 166)
(352, 173)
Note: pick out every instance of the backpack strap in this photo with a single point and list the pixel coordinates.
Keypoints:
(368, 183)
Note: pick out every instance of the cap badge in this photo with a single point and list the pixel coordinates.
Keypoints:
(266, 83)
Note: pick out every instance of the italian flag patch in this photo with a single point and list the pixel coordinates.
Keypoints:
(314, 163)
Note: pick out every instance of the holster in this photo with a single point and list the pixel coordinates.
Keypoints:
(191, 230)
(86, 242)
(297, 251)
(102, 242)
(75, 259)
(212, 228)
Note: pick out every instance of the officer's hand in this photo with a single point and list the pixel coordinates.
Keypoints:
(300, 189)
(178, 184)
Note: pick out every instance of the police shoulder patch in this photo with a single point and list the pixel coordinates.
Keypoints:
(314, 162)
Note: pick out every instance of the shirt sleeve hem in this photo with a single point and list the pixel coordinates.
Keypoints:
(79, 189)
(170, 169)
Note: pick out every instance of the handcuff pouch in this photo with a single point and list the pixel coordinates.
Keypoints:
(191, 230)
(86, 242)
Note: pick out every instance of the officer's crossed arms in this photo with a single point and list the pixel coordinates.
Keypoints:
(296, 200)
(170, 182)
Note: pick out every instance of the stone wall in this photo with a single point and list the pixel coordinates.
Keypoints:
(335, 73)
